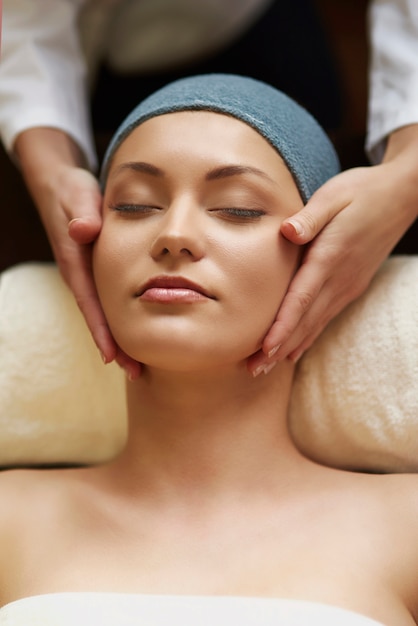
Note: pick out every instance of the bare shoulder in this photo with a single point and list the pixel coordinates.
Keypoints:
(394, 498)
(35, 499)
(399, 490)
(400, 494)
(28, 494)
(17, 490)
(37, 508)
(25, 496)
(394, 506)
(21, 486)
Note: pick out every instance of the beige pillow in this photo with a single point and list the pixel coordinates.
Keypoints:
(355, 399)
(58, 402)
(354, 405)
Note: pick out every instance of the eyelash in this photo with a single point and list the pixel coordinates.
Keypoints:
(236, 213)
(229, 213)
(133, 208)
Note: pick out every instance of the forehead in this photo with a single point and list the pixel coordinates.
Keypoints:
(199, 136)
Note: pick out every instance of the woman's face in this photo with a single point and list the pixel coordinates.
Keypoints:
(190, 267)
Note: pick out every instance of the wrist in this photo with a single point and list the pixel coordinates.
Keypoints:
(402, 146)
(402, 154)
(42, 150)
(44, 154)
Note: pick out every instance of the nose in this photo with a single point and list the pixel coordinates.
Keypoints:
(180, 233)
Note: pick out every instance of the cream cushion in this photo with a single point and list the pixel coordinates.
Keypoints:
(354, 404)
(58, 402)
(355, 399)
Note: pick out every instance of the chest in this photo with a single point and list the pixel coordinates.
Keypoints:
(281, 553)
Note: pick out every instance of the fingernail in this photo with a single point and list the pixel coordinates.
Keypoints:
(269, 367)
(129, 375)
(296, 357)
(75, 219)
(104, 359)
(297, 226)
(258, 370)
(273, 351)
(265, 368)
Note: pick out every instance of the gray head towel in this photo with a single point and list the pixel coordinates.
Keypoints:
(289, 128)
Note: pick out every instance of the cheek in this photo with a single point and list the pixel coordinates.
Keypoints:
(260, 275)
(113, 257)
(103, 264)
(263, 270)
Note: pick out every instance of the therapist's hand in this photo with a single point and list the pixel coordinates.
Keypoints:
(348, 228)
(81, 205)
(69, 200)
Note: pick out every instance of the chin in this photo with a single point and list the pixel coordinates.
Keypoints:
(171, 358)
(182, 345)
(182, 356)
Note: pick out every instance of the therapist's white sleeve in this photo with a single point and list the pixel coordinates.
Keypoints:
(393, 97)
(42, 72)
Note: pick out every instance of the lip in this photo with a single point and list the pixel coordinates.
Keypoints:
(171, 289)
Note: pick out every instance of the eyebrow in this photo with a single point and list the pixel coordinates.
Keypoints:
(235, 170)
(140, 166)
(224, 171)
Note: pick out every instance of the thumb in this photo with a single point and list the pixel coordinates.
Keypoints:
(84, 230)
(82, 205)
(322, 207)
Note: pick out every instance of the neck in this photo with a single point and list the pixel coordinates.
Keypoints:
(207, 430)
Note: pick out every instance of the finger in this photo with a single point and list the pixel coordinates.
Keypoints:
(84, 230)
(296, 353)
(80, 280)
(302, 293)
(81, 195)
(322, 207)
(81, 202)
(256, 363)
(88, 303)
(310, 326)
(132, 368)
(85, 292)
(332, 299)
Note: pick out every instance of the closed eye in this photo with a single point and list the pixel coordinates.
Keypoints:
(239, 214)
(133, 209)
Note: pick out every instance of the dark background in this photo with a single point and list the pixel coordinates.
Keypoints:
(341, 108)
